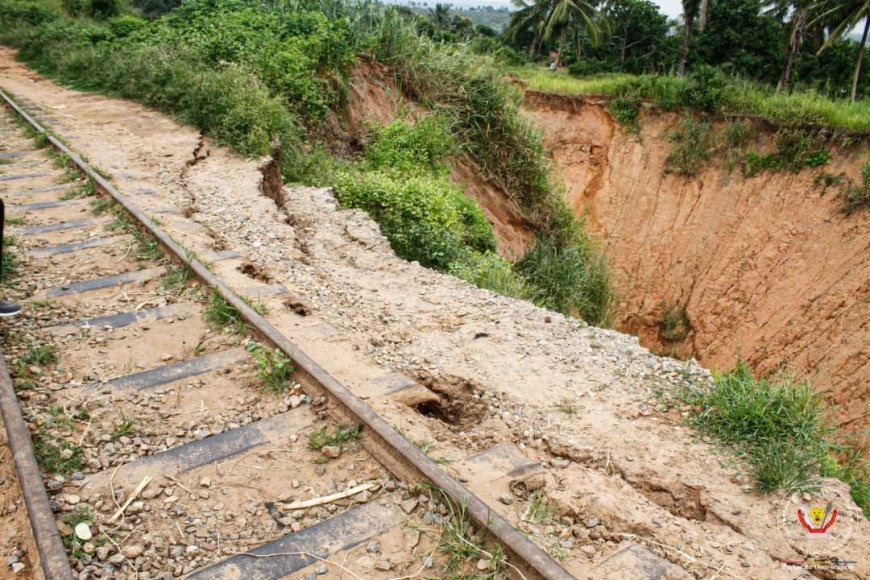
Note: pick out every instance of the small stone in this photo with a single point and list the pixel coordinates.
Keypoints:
(331, 451)
(409, 505)
(428, 562)
(77, 476)
(321, 570)
(18, 567)
(116, 559)
(132, 552)
(73, 499)
(591, 522)
(83, 532)
(205, 482)
(506, 498)
(373, 547)
(589, 551)
(483, 565)
(383, 565)
(102, 552)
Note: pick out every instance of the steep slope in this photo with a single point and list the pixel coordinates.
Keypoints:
(767, 267)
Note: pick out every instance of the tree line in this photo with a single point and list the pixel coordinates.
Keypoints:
(781, 42)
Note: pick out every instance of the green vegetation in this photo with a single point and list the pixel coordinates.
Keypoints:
(102, 205)
(221, 314)
(538, 509)
(320, 438)
(10, 265)
(273, 366)
(175, 279)
(123, 427)
(692, 147)
(56, 455)
(675, 324)
(457, 541)
(251, 76)
(738, 97)
(779, 426)
(38, 354)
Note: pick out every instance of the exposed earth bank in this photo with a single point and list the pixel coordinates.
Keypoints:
(766, 267)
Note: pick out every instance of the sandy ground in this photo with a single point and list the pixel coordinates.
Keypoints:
(618, 466)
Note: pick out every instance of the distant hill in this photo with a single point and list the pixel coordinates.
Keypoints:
(495, 16)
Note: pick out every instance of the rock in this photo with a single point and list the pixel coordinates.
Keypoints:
(383, 565)
(373, 547)
(205, 482)
(133, 552)
(116, 559)
(72, 499)
(321, 570)
(591, 522)
(483, 564)
(18, 567)
(589, 551)
(83, 532)
(331, 451)
(506, 498)
(409, 505)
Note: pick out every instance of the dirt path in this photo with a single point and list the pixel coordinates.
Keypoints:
(575, 406)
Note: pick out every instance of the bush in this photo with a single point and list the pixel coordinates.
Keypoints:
(795, 149)
(625, 110)
(425, 218)
(571, 278)
(491, 271)
(692, 147)
(411, 147)
(857, 195)
(705, 89)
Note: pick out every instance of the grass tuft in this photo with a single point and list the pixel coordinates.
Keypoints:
(320, 438)
(273, 366)
(220, 314)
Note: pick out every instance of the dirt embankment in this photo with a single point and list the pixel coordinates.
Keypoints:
(375, 99)
(766, 267)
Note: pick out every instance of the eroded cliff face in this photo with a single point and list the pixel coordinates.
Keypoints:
(767, 268)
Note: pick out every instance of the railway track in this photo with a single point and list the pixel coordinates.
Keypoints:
(157, 432)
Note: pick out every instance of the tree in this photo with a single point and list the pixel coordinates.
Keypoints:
(637, 41)
(843, 16)
(800, 10)
(690, 11)
(551, 17)
(740, 39)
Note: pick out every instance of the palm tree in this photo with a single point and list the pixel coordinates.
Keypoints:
(549, 17)
(440, 15)
(801, 10)
(841, 16)
(690, 10)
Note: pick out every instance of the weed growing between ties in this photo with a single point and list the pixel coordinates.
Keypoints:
(273, 367)
(176, 279)
(323, 437)
(779, 426)
(56, 455)
(458, 541)
(220, 314)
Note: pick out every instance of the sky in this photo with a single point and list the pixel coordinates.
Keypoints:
(669, 7)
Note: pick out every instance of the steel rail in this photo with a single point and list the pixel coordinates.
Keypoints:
(400, 456)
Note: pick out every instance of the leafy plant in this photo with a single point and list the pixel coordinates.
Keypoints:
(273, 366)
(123, 427)
(175, 279)
(625, 110)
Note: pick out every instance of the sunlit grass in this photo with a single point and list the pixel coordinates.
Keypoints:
(741, 97)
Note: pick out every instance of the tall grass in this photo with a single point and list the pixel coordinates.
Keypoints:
(741, 97)
(780, 426)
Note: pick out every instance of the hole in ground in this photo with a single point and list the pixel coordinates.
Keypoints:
(456, 404)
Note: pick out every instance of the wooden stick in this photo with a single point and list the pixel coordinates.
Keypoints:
(145, 481)
(301, 505)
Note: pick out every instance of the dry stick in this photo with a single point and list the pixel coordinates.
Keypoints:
(179, 484)
(145, 481)
(300, 505)
(304, 554)
(120, 551)
(692, 559)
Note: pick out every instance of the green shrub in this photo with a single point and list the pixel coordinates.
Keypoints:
(705, 89)
(572, 279)
(692, 147)
(491, 271)
(794, 149)
(411, 147)
(625, 110)
(425, 218)
(675, 325)
(857, 195)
